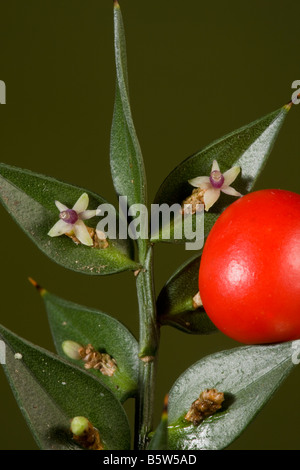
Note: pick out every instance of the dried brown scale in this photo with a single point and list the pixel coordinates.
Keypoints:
(208, 403)
(147, 359)
(197, 302)
(99, 361)
(98, 242)
(197, 197)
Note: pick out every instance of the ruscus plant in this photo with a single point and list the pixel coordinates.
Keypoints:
(248, 288)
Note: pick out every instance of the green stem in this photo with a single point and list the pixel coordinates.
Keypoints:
(148, 349)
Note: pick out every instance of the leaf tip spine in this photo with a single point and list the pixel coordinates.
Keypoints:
(165, 408)
(40, 289)
(288, 106)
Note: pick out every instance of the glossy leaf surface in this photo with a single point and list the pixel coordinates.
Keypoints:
(248, 376)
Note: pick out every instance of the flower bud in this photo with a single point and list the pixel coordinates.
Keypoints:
(79, 425)
(71, 349)
(84, 434)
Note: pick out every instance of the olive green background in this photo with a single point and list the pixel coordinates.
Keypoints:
(197, 70)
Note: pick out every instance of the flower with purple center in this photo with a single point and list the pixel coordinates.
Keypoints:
(216, 182)
(71, 220)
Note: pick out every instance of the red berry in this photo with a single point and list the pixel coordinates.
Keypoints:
(249, 278)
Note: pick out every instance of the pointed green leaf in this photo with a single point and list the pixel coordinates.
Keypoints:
(127, 166)
(47, 422)
(248, 147)
(30, 200)
(50, 392)
(72, 322)
(175, 301)
(125, 154)
(248, 376)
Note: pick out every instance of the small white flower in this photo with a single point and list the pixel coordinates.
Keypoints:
(215, 183)
(71, 220)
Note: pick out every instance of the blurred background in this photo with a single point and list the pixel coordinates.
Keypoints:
(197, 70)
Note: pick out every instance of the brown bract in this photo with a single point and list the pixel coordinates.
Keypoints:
(197, 197)
(99, 361)
(197, 302)
(98, 242)
(206, 405)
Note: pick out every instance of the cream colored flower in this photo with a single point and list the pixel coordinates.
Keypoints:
(215, 183)
(71, 220)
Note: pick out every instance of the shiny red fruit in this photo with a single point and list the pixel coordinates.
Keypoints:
(249, 278)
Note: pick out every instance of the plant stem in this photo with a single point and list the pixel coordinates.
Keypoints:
(148, 350)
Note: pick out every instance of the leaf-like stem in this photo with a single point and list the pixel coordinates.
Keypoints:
(148, 350)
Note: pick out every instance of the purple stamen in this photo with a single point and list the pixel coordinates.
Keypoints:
(69, 216)
(216, 179)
